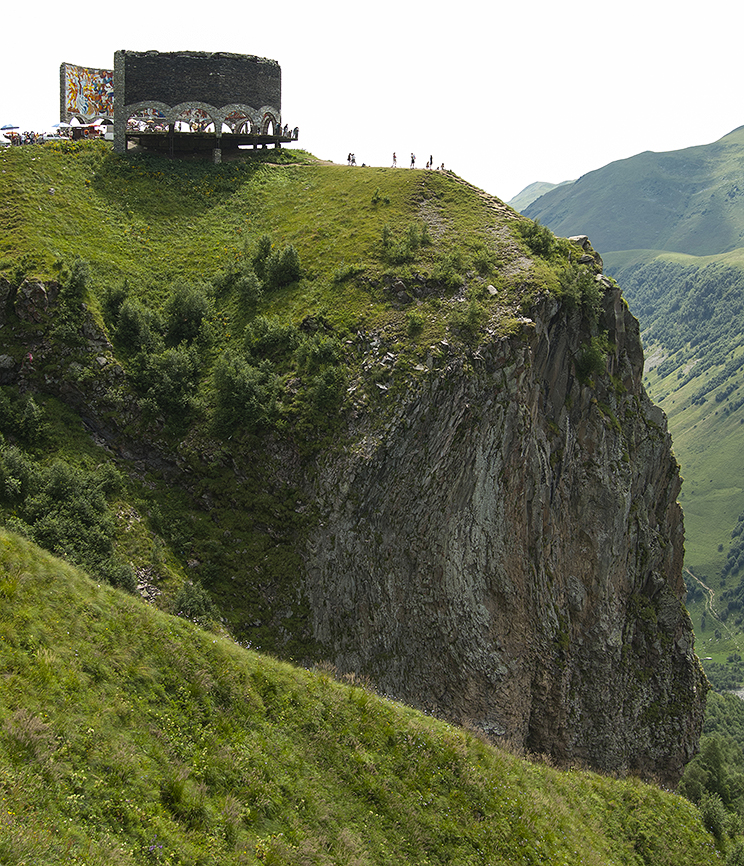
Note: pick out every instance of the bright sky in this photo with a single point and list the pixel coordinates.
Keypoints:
(503, 93)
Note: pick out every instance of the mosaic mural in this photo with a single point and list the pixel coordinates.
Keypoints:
(88, 93)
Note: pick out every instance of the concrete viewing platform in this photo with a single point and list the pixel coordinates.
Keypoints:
(202, 142)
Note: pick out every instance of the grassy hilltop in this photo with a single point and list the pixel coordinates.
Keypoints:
(241, 301)
(130, 737)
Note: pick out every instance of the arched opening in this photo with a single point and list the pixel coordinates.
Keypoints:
(194, 120)
(147, 120)
(238, 122)
(269, 125)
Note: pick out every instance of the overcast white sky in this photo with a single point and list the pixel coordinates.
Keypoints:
(503, 93)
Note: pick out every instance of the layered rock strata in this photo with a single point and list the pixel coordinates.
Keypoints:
(507, 551)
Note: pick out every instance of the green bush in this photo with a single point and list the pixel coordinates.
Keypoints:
(319, 350)
(485, 260)
(75, 286)
(414, 322)
(713, 813)
(168, 381)
(267, 337)
(112, 301)
(245, 394)
(137, 328)
(539, 238)
(579, 288)
(404, 250)
(22, 418)
(448, 269)
(282, 268)
(261, 255)
(66, 322)
(243, 281)
(468, 318)
(325, 392)
(592, 359)
(735, 855)
(193, 602)
(65, 510)
(116, 572)
(186, 312)
(68, 514)
(17, 471)
(377, 197)
(346, 272)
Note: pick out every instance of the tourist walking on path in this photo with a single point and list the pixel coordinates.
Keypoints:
(413, 161)
(395, 161)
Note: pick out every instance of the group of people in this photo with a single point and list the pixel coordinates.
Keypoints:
(351, 160)
(18, 138)
(429, 164)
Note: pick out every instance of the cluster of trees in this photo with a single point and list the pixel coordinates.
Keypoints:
(171, 365)
(714, 778)
(62, 508)
(695, 313)
(735, 562)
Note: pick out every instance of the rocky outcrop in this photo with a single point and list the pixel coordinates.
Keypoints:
(506, 551)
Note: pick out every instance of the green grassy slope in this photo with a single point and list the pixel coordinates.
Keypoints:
(691, 310)
(131, 737)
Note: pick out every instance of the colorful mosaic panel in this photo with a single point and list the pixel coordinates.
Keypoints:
(89, 93)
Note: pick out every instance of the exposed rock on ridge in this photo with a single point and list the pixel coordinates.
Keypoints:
(507, 552)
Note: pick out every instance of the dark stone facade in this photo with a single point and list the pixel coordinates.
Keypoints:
(192, 76)
(220, 85)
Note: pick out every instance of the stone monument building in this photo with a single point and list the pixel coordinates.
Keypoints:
(181, 101)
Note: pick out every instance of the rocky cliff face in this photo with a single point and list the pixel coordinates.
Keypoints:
(503, 547)
(507, 549)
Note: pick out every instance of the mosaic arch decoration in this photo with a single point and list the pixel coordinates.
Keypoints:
(85, 93)
(235, 117)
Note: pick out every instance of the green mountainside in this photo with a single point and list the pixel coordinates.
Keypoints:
(532, 192)
(670, 227)
(229, 311)
(177, 341)
(687, 201)
(128, 736)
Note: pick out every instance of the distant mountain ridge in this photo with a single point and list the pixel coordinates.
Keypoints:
(688, 201)
(532, 193)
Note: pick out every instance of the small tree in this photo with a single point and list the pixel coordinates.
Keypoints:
(282, 268)
(245, 394)
(137, 328)
(193, 602)
(261, 254)
(186, 312)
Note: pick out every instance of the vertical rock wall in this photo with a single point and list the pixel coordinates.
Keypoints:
(507, 552)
